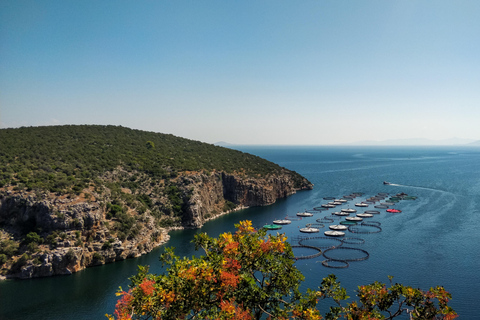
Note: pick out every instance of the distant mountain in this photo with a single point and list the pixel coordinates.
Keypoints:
(417, 142)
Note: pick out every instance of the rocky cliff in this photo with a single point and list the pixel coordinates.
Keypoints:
(50, 233)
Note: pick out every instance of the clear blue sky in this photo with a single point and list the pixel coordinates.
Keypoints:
(246, 72)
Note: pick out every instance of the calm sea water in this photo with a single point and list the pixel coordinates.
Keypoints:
(434, 241)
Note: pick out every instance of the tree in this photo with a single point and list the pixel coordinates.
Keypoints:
(251, 275)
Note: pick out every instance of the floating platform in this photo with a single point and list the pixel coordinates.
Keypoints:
(272, 226)
(356, 219)
(361, 204)
(309, 230)
(364, 215)
(348, 223)
(349, 210)
(304, 214)
(341, 213)
(328, 205)
(337, 227)
(332, 233)
(285, 221)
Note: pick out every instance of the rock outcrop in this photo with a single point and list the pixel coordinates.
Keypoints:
(72, 232)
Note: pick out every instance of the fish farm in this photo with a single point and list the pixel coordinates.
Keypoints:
(336, 246)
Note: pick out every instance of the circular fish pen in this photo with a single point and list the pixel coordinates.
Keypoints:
(349, 210)
(361, 204)
(381, 206)
(293, 218)
(285, 221)
(364, 215)
(325, 220)
(328, 206)
(364, 229)
(356, 219)
(304, 214)
(303, 248)
(371, 223)
(332, 233)
(309, 230)
(337, 264)
(320, 209)
(272, 226)
(350, 240)
(372, 211)
(321, 242)
(346, 254)
(329, 198)
(348, 223)
(341, 213)
(338, 227)
(315, 225)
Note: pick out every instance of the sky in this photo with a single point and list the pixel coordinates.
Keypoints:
(276, 72)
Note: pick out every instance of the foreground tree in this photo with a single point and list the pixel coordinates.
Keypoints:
(251, 275)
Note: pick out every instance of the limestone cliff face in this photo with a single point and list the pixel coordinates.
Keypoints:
(212, 192)
(76, 232)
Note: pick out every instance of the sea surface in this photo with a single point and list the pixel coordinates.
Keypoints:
(433, 241)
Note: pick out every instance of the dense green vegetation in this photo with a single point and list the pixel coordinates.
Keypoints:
(60, 158)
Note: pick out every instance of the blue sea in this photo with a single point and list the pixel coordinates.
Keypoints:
(433, 241)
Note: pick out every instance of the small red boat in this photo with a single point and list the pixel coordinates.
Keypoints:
(394, 210)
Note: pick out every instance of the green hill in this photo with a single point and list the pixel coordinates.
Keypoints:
(77, 196)
(63, 158)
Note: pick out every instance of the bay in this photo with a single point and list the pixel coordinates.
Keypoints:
(433, 241)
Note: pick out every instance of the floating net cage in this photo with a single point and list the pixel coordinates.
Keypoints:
(371, 223)
(364, 229)
(348, 223)
(346, 254)
(326, 219)
(329, 198)
(293, 218)
(381, 206)
(321, 242)
(306, 252)
(372, 211)
(315, 225)
(320, 209)
(337, 264)
(351, 240)
(272, 227)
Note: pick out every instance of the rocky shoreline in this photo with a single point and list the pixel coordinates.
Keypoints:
(59, 234)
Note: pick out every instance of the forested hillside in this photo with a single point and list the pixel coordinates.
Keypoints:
(75, 196)
(63, 158)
